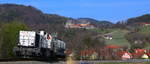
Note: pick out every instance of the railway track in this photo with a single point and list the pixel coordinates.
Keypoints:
(16, 59)
(28, 59)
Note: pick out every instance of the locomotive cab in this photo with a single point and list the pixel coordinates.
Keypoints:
(42, 45)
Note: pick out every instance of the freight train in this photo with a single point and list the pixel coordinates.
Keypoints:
(39, 44)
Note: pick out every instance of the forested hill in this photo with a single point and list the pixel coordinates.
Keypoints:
(30, 16)
(33, 17)
(139, 19)
(37, 20)
(27, 14)
(97, 23)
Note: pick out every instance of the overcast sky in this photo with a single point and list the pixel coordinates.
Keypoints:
(111, 10)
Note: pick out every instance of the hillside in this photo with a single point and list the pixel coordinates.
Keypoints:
(139, 19)
(27, 14)
(51, 23)
(31, 16)
(97, 23)
(145, 29)
(118, 38)
(36, 20)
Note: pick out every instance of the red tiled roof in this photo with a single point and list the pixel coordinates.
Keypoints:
(139, 50)
(145, 23)
(134, 54)
(87, 52)
(113, 46)
(121, 52)
(148, 54)
(137, 54)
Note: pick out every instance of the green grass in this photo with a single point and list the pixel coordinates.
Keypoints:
(145, 29)
(117, 34)
(103, 31)
(118, 38)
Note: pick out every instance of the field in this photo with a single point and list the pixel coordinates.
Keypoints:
(145, 29)
(118, 38)
(117, 35)
(104, 31)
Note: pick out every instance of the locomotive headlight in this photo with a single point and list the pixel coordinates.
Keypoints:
(19, 44)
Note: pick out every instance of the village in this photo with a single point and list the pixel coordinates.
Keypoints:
(80, 25)
(109, 52)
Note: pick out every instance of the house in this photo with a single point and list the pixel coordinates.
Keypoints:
(145, 56)
(105, 53)
(113, 46)
(126, 56)
(108, 37)
(88, 55)
(71, 24)
(140, 50)
(138, 53)
(109, 52)
(148, 54)
(145, 24)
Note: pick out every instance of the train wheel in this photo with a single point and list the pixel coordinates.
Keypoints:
(47, 53)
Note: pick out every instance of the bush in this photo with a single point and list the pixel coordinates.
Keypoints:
(9, 36)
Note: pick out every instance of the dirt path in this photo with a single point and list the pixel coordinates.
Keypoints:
(70, 60)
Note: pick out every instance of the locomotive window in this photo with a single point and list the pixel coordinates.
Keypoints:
(32, 43)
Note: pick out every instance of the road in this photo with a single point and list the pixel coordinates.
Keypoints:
(69, 61)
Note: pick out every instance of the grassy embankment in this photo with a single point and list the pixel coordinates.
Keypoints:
(146, 31)
(118, 38)
(117, 35)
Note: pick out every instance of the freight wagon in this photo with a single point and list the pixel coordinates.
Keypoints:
(39, 44)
